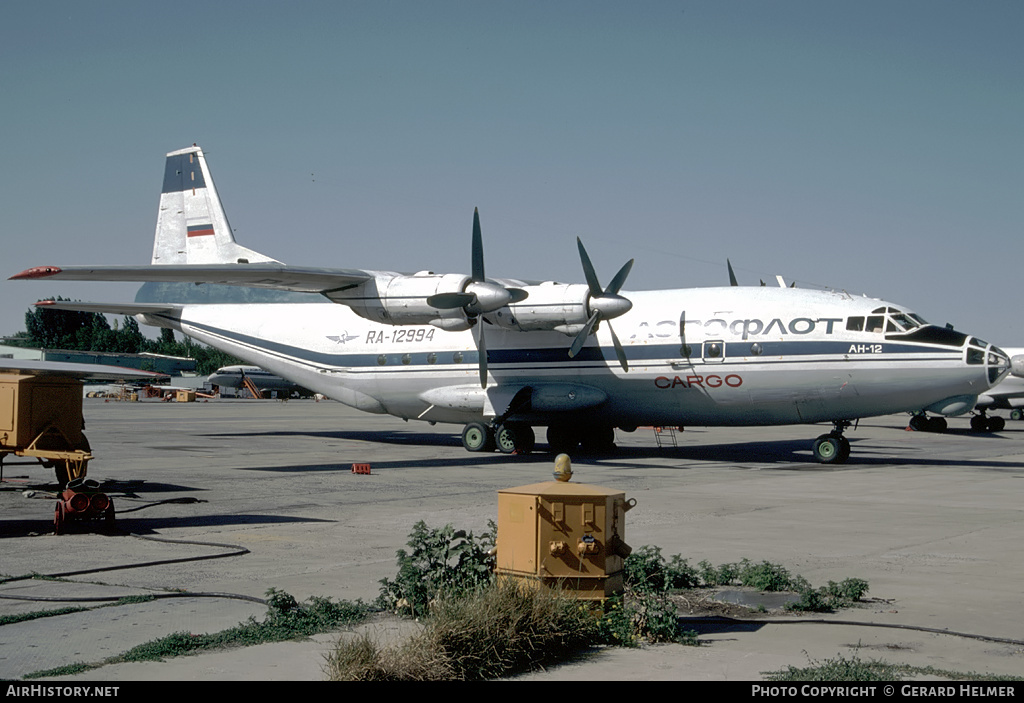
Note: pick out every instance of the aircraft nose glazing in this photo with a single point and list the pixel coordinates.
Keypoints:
(991, 358)
(998, 364)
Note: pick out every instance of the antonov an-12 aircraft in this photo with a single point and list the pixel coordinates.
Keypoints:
(502, 356)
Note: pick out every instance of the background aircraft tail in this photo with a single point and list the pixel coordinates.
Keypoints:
(191, 227)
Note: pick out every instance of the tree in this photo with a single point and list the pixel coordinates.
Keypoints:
(89, 331)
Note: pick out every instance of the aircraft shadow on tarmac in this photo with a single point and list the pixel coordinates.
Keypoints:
(125, 526)
(780, 455)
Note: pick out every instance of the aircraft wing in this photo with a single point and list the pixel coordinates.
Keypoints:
(90, 372)
(109, 308)
(274, 276)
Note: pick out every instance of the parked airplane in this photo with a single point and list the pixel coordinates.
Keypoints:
(1008, 394)
(501, 356)
(235, 377)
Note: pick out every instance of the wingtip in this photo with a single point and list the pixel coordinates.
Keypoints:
(35, 272)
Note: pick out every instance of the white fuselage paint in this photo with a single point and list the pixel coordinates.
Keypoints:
(787, 358)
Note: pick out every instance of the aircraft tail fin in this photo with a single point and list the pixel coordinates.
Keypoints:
(191, 227)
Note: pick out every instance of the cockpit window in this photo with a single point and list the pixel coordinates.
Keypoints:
(905, 322)
(890, 320)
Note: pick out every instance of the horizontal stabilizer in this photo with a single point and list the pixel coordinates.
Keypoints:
(109, 308)
(274, 276)
(90, 372)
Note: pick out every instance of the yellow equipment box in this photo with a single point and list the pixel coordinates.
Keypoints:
(41, 417)
(31, 404)
(566, 534)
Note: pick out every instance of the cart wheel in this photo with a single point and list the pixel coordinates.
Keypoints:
(58, 519)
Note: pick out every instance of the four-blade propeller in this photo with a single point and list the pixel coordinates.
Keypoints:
(479, 297)
(604, 305)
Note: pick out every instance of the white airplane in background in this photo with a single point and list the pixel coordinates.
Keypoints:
(501, 356)
(235, 376)
(1008, 394)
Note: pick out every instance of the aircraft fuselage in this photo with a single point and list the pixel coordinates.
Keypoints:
(741, 357)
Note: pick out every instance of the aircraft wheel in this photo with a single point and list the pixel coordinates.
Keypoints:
(1016, 415)
(515, 437)
(996, 424)
(598, 439)
(831, 449)
(979, 423)
(505, 438)
(478, 437)
(563, 439)
(937, 424)
(844, 450)
(919, 423)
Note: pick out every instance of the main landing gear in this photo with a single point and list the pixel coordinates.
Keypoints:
(833, 448)
(983, 423)
(519, 438)
(920, 422)
(507, 437)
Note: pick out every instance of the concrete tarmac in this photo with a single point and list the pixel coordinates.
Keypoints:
(221, 501)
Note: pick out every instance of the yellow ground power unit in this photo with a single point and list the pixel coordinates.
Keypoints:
(41, 417)
(568, 535)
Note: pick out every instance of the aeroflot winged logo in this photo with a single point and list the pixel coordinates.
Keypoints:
(342, 338)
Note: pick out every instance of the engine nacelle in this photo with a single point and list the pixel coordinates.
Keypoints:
(563, 307)
(396, 299)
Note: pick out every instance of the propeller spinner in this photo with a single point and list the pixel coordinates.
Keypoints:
(604, 305)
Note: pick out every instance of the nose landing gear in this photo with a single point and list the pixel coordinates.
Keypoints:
(833, 448)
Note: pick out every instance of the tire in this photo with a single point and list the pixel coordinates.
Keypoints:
(830, 449)
(1016, 415)
(514, 437)
(505, 438)
(477, 437)
(996, 424)
(563, 439)
(598, 440)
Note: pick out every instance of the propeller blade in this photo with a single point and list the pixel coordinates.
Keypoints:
(478, 249)
(482, 349)
(619, 351)
(620, 278)
(732, 275)
(581, 338)
(518, 295)
(450, 301)
(588, 270)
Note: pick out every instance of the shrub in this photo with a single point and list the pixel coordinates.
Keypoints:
(646, 570)
(442, 561)
(642, 616)
(496, 630)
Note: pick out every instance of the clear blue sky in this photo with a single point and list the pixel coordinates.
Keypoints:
(876, 147)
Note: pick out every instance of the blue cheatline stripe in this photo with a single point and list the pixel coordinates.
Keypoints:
(181, 173)
(663, 353)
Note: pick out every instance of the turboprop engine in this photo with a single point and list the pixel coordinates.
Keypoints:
(449, 301)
